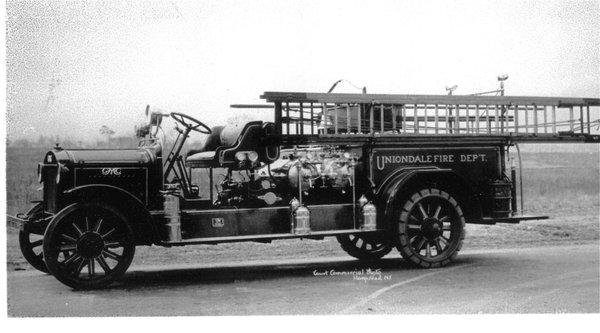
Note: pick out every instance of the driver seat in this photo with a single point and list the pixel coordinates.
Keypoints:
(208, 149)
(220, 146)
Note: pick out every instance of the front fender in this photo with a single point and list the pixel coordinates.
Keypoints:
(139, 217)
(104, 191)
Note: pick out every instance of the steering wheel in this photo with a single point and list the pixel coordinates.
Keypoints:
(193, 125)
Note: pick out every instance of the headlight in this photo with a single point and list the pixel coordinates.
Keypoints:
(252, 156)
(240, 156)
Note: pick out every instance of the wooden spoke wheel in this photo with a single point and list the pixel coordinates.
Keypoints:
(365, 246)
(431, 228)
(88, 246)
(31, 244)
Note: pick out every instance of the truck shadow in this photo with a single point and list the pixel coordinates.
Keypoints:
(138, 279)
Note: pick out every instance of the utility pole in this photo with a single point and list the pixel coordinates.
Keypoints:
(450, 90)
(54, 83)
(503, 78)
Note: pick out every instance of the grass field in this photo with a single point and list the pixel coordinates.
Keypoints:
(564, 185)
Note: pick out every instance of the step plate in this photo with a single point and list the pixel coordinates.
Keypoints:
(249, 238)
(513, 219)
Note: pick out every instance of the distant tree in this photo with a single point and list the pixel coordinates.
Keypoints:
(239, 119)
(22, 143)
(105, 130)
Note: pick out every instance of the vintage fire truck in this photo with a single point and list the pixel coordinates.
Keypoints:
(376, 171)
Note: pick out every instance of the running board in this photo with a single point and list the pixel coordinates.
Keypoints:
(512, 219)
(267, 237)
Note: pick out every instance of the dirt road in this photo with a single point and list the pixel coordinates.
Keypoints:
(530, 280)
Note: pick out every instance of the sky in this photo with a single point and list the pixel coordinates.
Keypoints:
(74, 66)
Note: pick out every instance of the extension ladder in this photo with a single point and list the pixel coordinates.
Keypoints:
(327, 115)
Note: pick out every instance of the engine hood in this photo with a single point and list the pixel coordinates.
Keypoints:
(142, 156)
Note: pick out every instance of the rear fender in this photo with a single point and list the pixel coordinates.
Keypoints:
(405, 181)
(142, 224)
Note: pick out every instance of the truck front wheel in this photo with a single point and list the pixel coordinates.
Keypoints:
(88, 246)
(431, 228)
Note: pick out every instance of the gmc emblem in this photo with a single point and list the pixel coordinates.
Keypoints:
(111, 171)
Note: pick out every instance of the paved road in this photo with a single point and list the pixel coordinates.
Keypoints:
(532, 280)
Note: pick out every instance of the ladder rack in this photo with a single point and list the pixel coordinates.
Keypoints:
(317, 117)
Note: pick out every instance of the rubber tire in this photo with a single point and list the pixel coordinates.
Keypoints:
(35, 260)
(367, 255)
(55, 268)
(405, 248)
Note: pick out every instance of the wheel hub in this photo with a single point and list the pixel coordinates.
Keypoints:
(90, 245)
(432, 228)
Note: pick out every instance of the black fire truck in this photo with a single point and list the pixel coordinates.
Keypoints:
(376, 171)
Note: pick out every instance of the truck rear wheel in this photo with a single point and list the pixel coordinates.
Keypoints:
(92, 236)
(31, 244)
(365, 247)
(431, 228)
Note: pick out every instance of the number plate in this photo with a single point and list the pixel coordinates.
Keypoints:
(218, 222)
